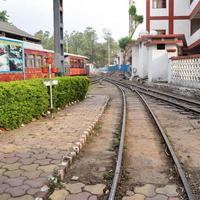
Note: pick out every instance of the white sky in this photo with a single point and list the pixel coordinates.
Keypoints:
(34, 15)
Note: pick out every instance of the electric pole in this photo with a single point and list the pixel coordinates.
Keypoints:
(58, 35)
(109, 51)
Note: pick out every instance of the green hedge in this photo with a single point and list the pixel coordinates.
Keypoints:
(21, 101)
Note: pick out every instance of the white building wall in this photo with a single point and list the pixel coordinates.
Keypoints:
(194, 37)
(182, 27)
(181, 8)
(135, 60)
(159, 63)
(143, 60)
(159, 11)
(193, 5)
(159, 24)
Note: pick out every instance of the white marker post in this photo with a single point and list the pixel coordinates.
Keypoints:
(49, 83)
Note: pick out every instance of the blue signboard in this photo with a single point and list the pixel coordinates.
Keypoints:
(11, 56)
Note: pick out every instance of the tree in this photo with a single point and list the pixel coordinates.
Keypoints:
(4, 16)
(46, 38)
(84, 43)
(138, 19)
(123, 42)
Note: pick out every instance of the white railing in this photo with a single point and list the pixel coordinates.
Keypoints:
(185, 71)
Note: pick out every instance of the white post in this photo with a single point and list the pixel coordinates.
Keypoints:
(51, 90)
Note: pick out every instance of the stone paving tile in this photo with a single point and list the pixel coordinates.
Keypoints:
(93, 198)
(95, 189)
(33, 150)
(134, 197)
(74, 188)
(25, 197)
(169, 190)
(4, 196)
(15, 181)
(147, 190)
(17, 191)
(80, 196)
(157, 197)
(59, 195)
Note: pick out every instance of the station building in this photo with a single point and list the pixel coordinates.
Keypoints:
(176, 17)
(172, 30)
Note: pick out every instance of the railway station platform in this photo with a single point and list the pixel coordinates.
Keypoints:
(29, 155)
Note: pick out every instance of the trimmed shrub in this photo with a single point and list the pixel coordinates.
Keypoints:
(21, 101)
(69, 89)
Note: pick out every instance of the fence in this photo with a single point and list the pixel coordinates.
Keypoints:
(122, 68)
(185, 71)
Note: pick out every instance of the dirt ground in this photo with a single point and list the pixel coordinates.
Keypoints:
(183, 130)
(95, 162)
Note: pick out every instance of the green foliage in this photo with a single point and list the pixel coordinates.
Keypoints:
(138, 19)
(4, 16)
(123, 42)
(132, 10)
(21, 101)
(46, 38)
(84, 43)
(70, 89)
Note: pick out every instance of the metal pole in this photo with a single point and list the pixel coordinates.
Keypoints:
(51, 91)
(108, 51)
(58, 35)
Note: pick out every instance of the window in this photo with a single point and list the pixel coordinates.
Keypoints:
(30, 61)
(161, 32)
(38, 61)
(159, 4)
(160, 46)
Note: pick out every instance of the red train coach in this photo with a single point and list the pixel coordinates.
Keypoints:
(25, 60)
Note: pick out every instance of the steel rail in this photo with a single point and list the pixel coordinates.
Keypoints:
(190, 101)
(97, 80)
(185, 107)
(170, 148)
(121, 148)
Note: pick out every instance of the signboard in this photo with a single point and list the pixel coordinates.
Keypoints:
(11, 55)
(50, 82)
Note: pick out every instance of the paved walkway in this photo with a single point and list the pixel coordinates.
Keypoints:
(151, 192)
(28, 155)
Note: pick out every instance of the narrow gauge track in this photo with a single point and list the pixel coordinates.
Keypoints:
(179, 168)
(181, 102)
(95, 81)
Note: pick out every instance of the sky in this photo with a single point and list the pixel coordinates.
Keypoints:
(32, 16)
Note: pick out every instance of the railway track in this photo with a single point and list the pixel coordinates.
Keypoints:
(179, 101)
(96, 80)
(155, 121)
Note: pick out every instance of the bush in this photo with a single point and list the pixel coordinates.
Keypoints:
(70, 89)
(21, 101)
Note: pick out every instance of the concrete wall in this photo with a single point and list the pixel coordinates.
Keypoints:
(152, 62)
(158, 65)
(194, 37)
(158, 11)
(193, 5)
(181, 8)
(159, 24)
(182, 26)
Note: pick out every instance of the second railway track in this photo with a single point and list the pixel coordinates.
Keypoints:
(150, 172)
